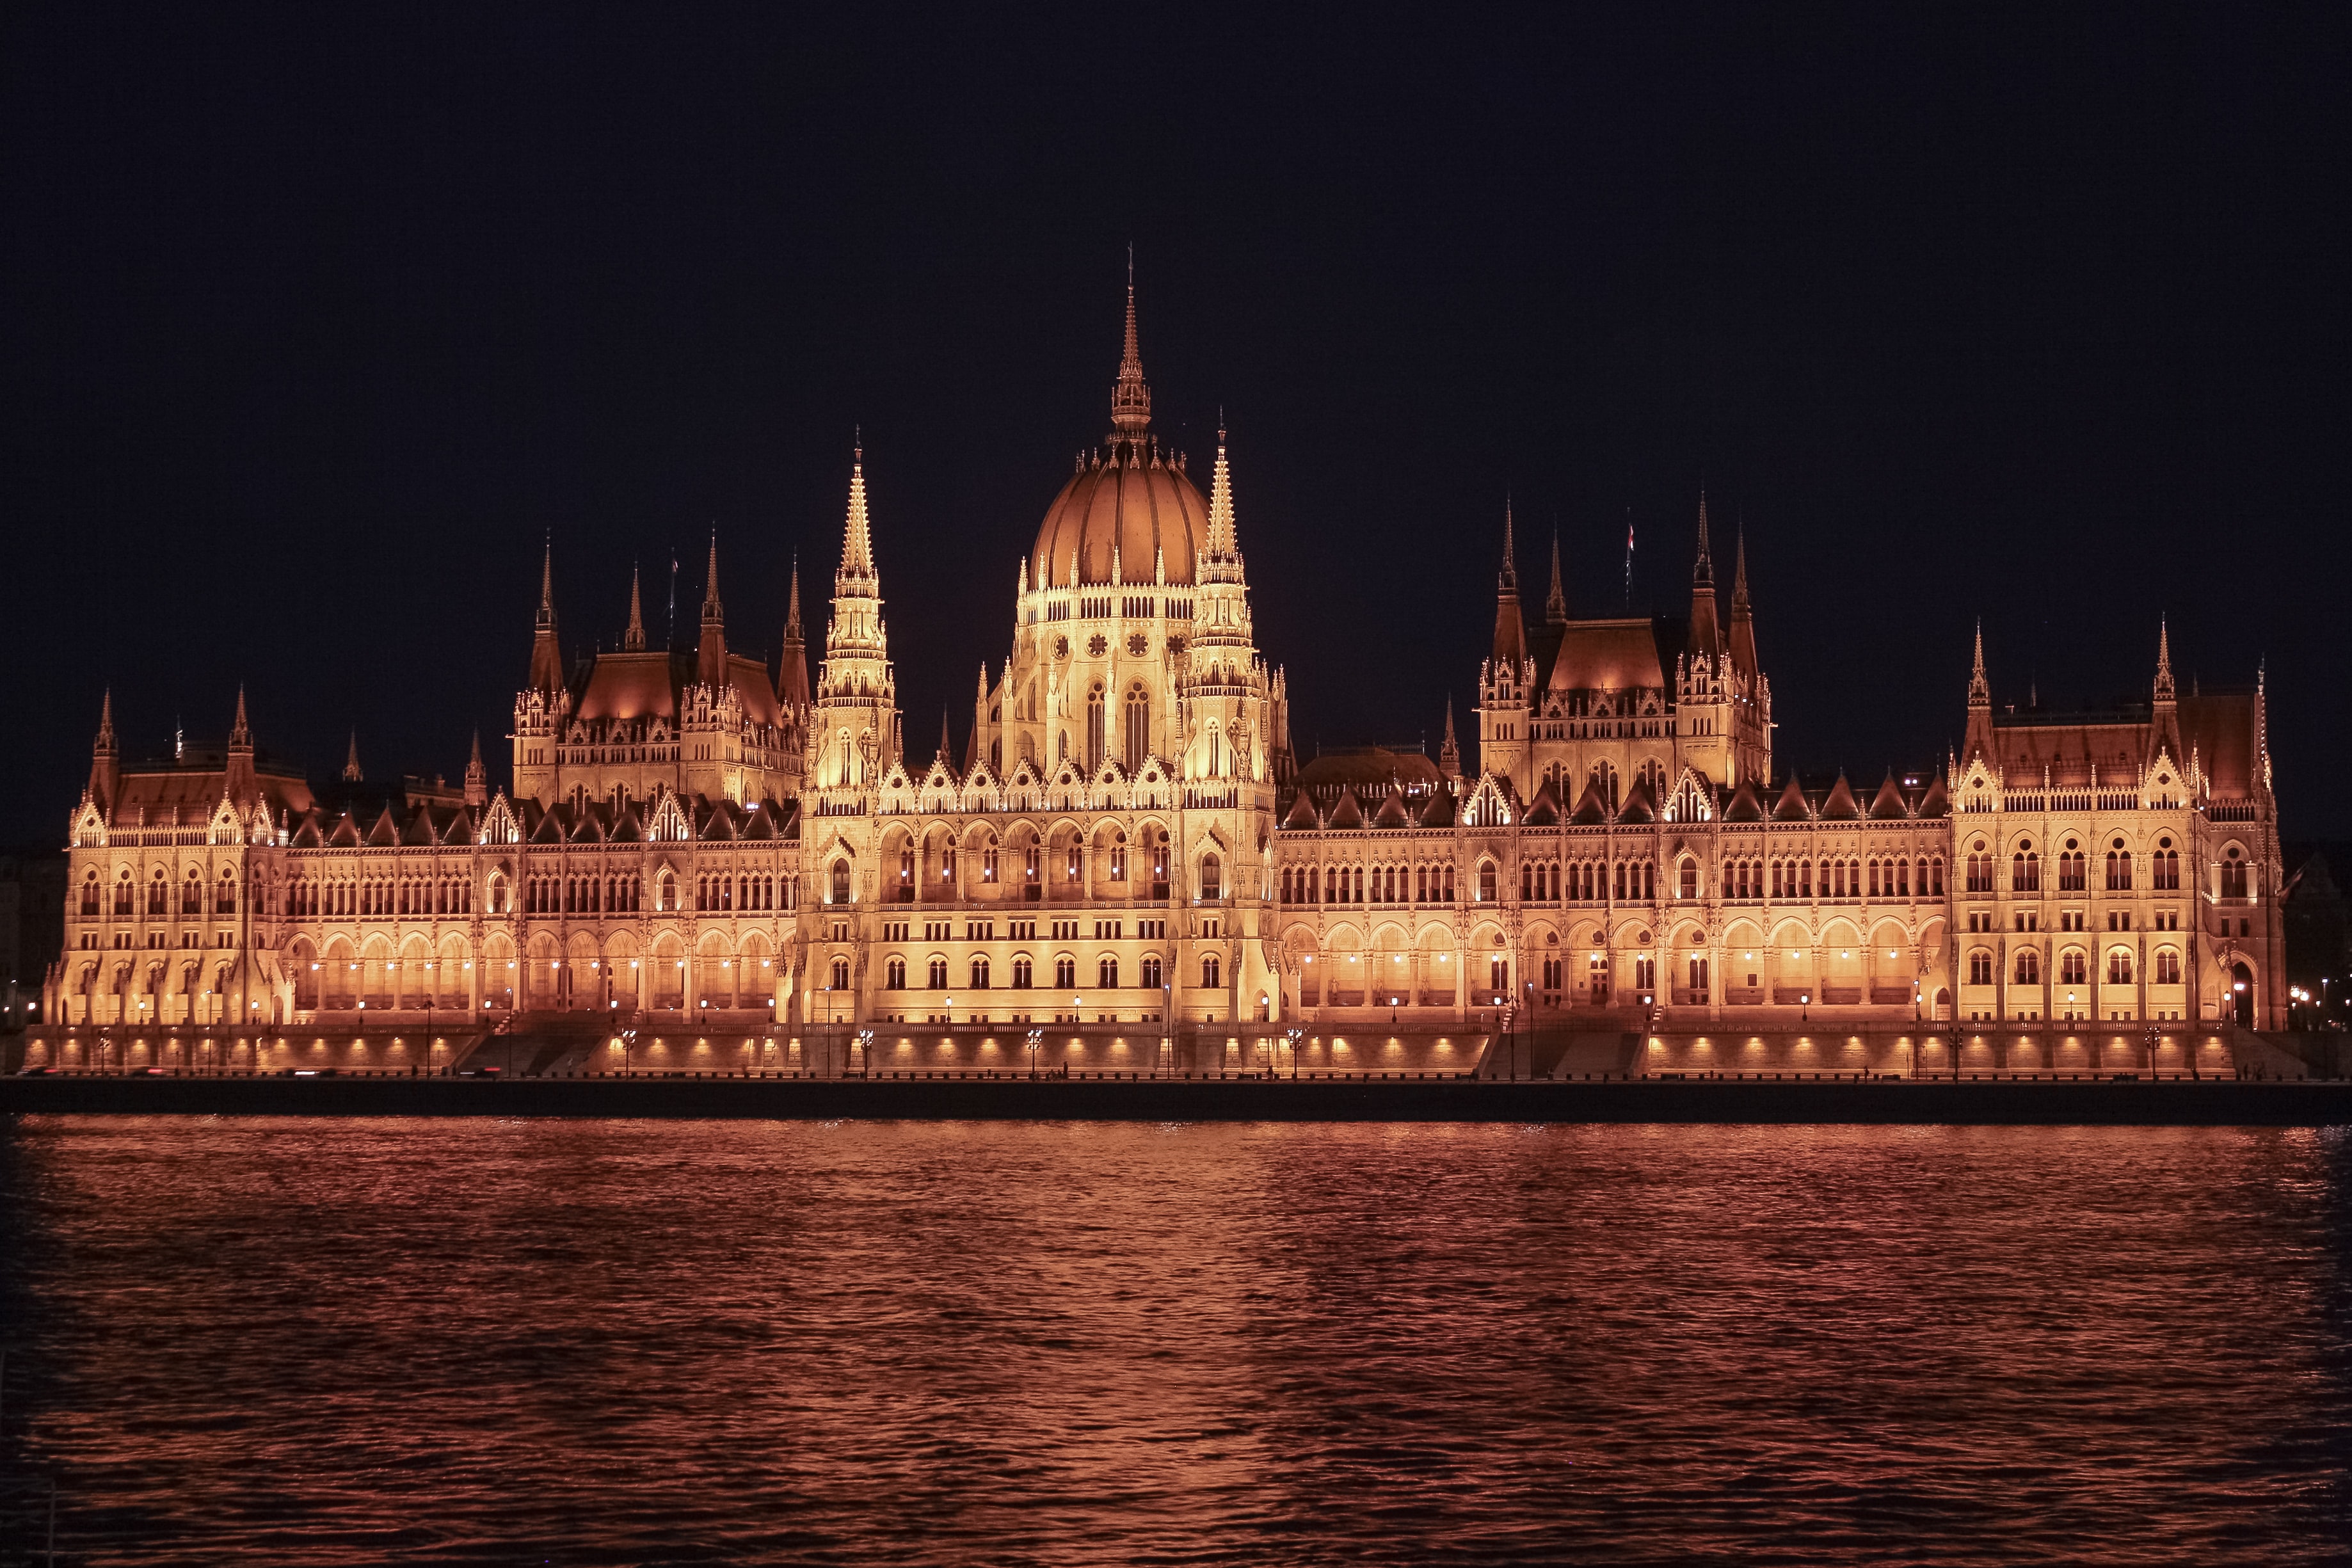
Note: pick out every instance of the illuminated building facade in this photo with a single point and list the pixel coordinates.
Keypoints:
(696, 840)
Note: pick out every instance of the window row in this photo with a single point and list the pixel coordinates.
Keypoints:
(1423, 884)
(978, 973)
(2073, 967)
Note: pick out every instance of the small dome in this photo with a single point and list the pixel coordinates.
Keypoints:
(1150, 510)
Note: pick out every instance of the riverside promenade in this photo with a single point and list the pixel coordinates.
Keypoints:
(2112, 1099)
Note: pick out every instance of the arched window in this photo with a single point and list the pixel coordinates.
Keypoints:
(979, 974)
(1688, 875)
(2025, 871)
(2119, 867)
(1980, 966)
(2168, 966)
(1139, 728)
(2029, 967)
(2233, 874)
(1151, 971)
(192, 896)
(2119, 967)
(1604, 779)
(1209, 971)
(90, 896)
(1020, 972)
(841, 974)
(1211, 877)
(1094, 727)
(1107, 973)
(840, 883)
(2164, 867)
(1486, 881)
(158, 895)
(894, 975)
(1065, 973)
(2073, 870)
(938, 974)
(2072, 969)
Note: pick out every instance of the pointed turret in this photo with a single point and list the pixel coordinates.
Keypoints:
(711, 654)
(1510, 632)
(946, 752)
(238, 785)
(1449, 751)
(105, 758)
(2164, 688)
(351, 773)
(1705, 632)
(855, 739)
(791, 670)
(857, 538)
(546, 657)
(1130, 399)
(478, 778)
(633, 639)
(1556, 602)
(2165, 733)
(1979, 740)
(972, 752)
(1743, 617)
(1223, 542)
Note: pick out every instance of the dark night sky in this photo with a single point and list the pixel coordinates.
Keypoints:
(312, 333)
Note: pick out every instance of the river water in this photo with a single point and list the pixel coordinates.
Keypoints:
(362, 1342)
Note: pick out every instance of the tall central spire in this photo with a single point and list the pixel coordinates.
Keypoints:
(710, 653)
(1130, 400)
(633, 639)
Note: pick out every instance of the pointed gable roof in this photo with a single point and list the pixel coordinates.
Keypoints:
(1887, 805)
(1590, 811)
(1937, 801)
(1440, 811)
(1745, 804)
(1840, 806)
(1639, 805)
(1347, 813)
(1393, 813)
(1301, 814)
(1544, 811)
(1792, 806)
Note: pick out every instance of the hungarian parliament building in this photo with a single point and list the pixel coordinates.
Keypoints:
(696, 844)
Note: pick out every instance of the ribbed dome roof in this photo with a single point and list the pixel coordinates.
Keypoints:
(1125, 497)
(1150, 510)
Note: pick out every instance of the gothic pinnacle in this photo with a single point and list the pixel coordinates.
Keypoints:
(633, 639)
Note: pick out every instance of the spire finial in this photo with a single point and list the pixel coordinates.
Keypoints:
(547, 580)
(1739, 571)
(1703, 571)
(710, 579)
(1556, 603)
(633, 639)
(240, 736)
(1509, 580)
(792, 603)
(2164, 688)
(857, 542)
(1980, 690)
(947, 754)
(351, 760)
(1223, 542)
(1130, 399)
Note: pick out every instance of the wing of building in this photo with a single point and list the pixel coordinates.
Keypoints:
(729, 859)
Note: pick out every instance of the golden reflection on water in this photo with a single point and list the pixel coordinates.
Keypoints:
(621, 1341)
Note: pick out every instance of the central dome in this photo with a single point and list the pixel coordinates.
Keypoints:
(1125, 497)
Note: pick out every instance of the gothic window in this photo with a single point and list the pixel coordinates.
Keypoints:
(2072, 869)
(2070, 967)
(894, 975)
(841, 974)
(2234, 875)
(1094, 727)
(1486, 881)
(938, 974)
(2119, 967)
(1020, 972)
(90, 896)
(1151, 971)
(1527, 881)
(1449, 884)
(1139, 728)
(192, 896)
(979, 974)
(1065, 972)
(987, 864)
(1211, 873)
(1118, 861)
(1980, 873)
(2025, 871)
(2168, 966)
(2119, 869)
(158, 895)
(1689, 877)
(1980, 966)
(840, 882)
(1106, 975)
(2164, 867)
(2029, 966)
(1209, 971)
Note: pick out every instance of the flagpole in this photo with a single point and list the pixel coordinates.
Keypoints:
(1629, 560)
